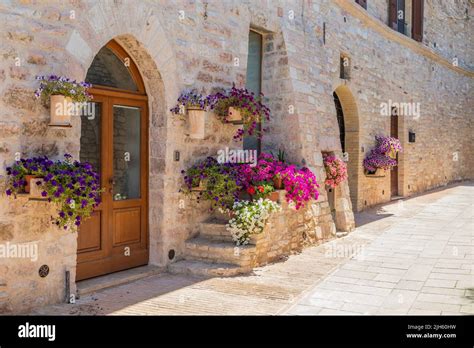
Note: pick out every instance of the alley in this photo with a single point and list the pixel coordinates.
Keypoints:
(411, 256)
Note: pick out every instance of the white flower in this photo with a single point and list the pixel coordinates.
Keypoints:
(250, 218)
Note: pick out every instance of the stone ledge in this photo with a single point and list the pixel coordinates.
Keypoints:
(201, 268)
(91, 285)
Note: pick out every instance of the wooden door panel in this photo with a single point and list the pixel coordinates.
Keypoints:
(90, 234)
(127, 226)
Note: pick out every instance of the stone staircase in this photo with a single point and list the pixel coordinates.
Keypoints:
(213, 253)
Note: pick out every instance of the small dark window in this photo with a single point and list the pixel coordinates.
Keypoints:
(344, 67)
(396, 15)
(362, 3)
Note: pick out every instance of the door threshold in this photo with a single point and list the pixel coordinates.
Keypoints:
(87, 286)
(396, 198)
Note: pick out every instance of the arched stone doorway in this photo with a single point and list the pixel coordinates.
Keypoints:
(348, 120)
(114, 139)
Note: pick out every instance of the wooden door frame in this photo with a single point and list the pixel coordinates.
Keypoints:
(108, 100)
(394, 132)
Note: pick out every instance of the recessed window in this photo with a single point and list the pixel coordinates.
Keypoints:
(397, 16)
(254, 79)
(344, 67)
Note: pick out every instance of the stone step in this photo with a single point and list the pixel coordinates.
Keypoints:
(87, 286)
(205, 249)
(207, 269)
(341, 234)
(215, 229)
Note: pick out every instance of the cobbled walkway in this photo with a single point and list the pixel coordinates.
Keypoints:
(411, 256)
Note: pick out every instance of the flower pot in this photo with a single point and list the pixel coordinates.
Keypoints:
(392, 153)
(197, 122)
(201, 187)
(274, 196)
(278, 182)
(28, 179)
(234, 115)
(36, 187)
(60, 110)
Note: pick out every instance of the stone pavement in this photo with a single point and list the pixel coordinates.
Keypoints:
(410, 256)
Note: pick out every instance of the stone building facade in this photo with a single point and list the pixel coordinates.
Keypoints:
(203, 45)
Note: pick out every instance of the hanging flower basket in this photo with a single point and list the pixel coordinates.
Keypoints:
(28, 179)
(62, 92)
(392, 153)
(336, 170)
(201, 187)
(197, 122)
(383, 156)
(234, 116)
(60, 110)
(36, 188)
(73, 186)
(240, 106)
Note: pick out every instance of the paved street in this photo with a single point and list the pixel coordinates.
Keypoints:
(411, 256)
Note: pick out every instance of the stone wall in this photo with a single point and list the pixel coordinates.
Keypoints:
(290, 230)
(31, 240)
(179, 45)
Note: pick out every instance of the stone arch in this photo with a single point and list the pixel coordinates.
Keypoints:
(148, 67)
(152, 51)
(352, 140)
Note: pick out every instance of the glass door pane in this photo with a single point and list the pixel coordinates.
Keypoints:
(90, 136)
(126, 150)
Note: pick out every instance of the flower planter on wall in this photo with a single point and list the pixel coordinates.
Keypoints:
(201, 187)
(274, 196)
(28, 179)
(197, 122)
(278, 182)
(234, 116)
(36, 187)
(377, 174)
(60, 112)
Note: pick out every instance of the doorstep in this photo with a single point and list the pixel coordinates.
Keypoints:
(395, 198)
(118, 278)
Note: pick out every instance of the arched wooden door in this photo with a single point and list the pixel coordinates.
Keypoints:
(114, 139)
